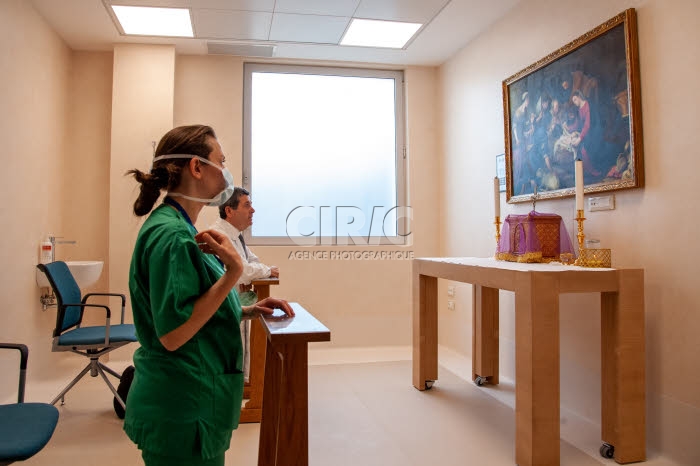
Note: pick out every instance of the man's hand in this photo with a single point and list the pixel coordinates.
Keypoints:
(244, 288)
(274, 272)
(268, 305)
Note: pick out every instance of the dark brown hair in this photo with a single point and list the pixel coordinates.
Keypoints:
(166, 174)
(233, 201)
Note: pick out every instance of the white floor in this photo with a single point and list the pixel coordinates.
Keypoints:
(360, 413)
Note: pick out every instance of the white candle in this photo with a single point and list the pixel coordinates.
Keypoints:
(579, 185)
(496, 197)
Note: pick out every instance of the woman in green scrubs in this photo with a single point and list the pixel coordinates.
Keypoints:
(186, 396)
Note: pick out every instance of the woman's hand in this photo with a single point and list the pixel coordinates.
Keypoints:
(215, 242)
(267, 307)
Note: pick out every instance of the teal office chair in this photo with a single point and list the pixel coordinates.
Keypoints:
(25, 428)
(91, 342)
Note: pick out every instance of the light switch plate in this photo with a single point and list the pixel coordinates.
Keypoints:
(450, 290)
(601, 203)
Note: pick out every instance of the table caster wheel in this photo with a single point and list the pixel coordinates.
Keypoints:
(479, 381)
(429, 384)
(607, 451)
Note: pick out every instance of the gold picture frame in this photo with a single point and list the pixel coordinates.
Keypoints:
(580, 102)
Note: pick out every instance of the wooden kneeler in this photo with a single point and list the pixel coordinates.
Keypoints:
(253, 390)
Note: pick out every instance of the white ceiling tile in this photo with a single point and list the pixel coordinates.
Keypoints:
(317, 7)
(412, 11)
(308, 28)
(230, 24)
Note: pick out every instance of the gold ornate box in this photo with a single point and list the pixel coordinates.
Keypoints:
(595, 258)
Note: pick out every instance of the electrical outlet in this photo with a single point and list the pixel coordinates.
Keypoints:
(450, 305)
(451, 290)
(601, 203)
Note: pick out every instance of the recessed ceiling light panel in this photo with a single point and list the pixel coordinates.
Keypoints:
(376, 33)
(151, 21)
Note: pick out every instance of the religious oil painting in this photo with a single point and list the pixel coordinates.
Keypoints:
(581, 102)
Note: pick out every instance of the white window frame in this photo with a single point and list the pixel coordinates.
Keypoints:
(403, 226)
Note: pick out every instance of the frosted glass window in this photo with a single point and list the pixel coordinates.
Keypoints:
(323, 155)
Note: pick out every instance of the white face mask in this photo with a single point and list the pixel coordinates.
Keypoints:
(216, 201)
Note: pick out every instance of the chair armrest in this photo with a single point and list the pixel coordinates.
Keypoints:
(85, 305)
(24, 352)
(123, 298)
(106, 308)
(23, 357)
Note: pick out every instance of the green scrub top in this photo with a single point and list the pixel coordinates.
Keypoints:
(187, 402)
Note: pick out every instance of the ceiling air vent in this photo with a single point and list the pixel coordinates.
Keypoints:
(240, 50)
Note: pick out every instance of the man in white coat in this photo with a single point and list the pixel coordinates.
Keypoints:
(236, 216)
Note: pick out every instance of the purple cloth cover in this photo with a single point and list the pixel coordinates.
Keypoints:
(535, 237)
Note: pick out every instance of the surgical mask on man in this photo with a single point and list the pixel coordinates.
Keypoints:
(215, 201)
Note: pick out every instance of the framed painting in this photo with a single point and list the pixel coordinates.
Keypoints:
(581, 102)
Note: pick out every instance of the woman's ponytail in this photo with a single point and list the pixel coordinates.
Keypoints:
(151, 185)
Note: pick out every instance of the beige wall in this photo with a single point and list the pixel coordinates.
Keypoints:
(142, 111)
(55, 124)
(85, 177)
(650, 228)
(34, 73)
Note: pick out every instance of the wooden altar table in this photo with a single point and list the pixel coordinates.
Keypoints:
(537, 288)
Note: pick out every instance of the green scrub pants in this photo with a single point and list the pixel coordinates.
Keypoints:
(154, 459)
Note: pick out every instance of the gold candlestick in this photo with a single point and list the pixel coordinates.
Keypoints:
(497, 222)
(580, 218)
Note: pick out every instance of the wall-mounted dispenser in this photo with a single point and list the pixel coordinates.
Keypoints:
(46, 252)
